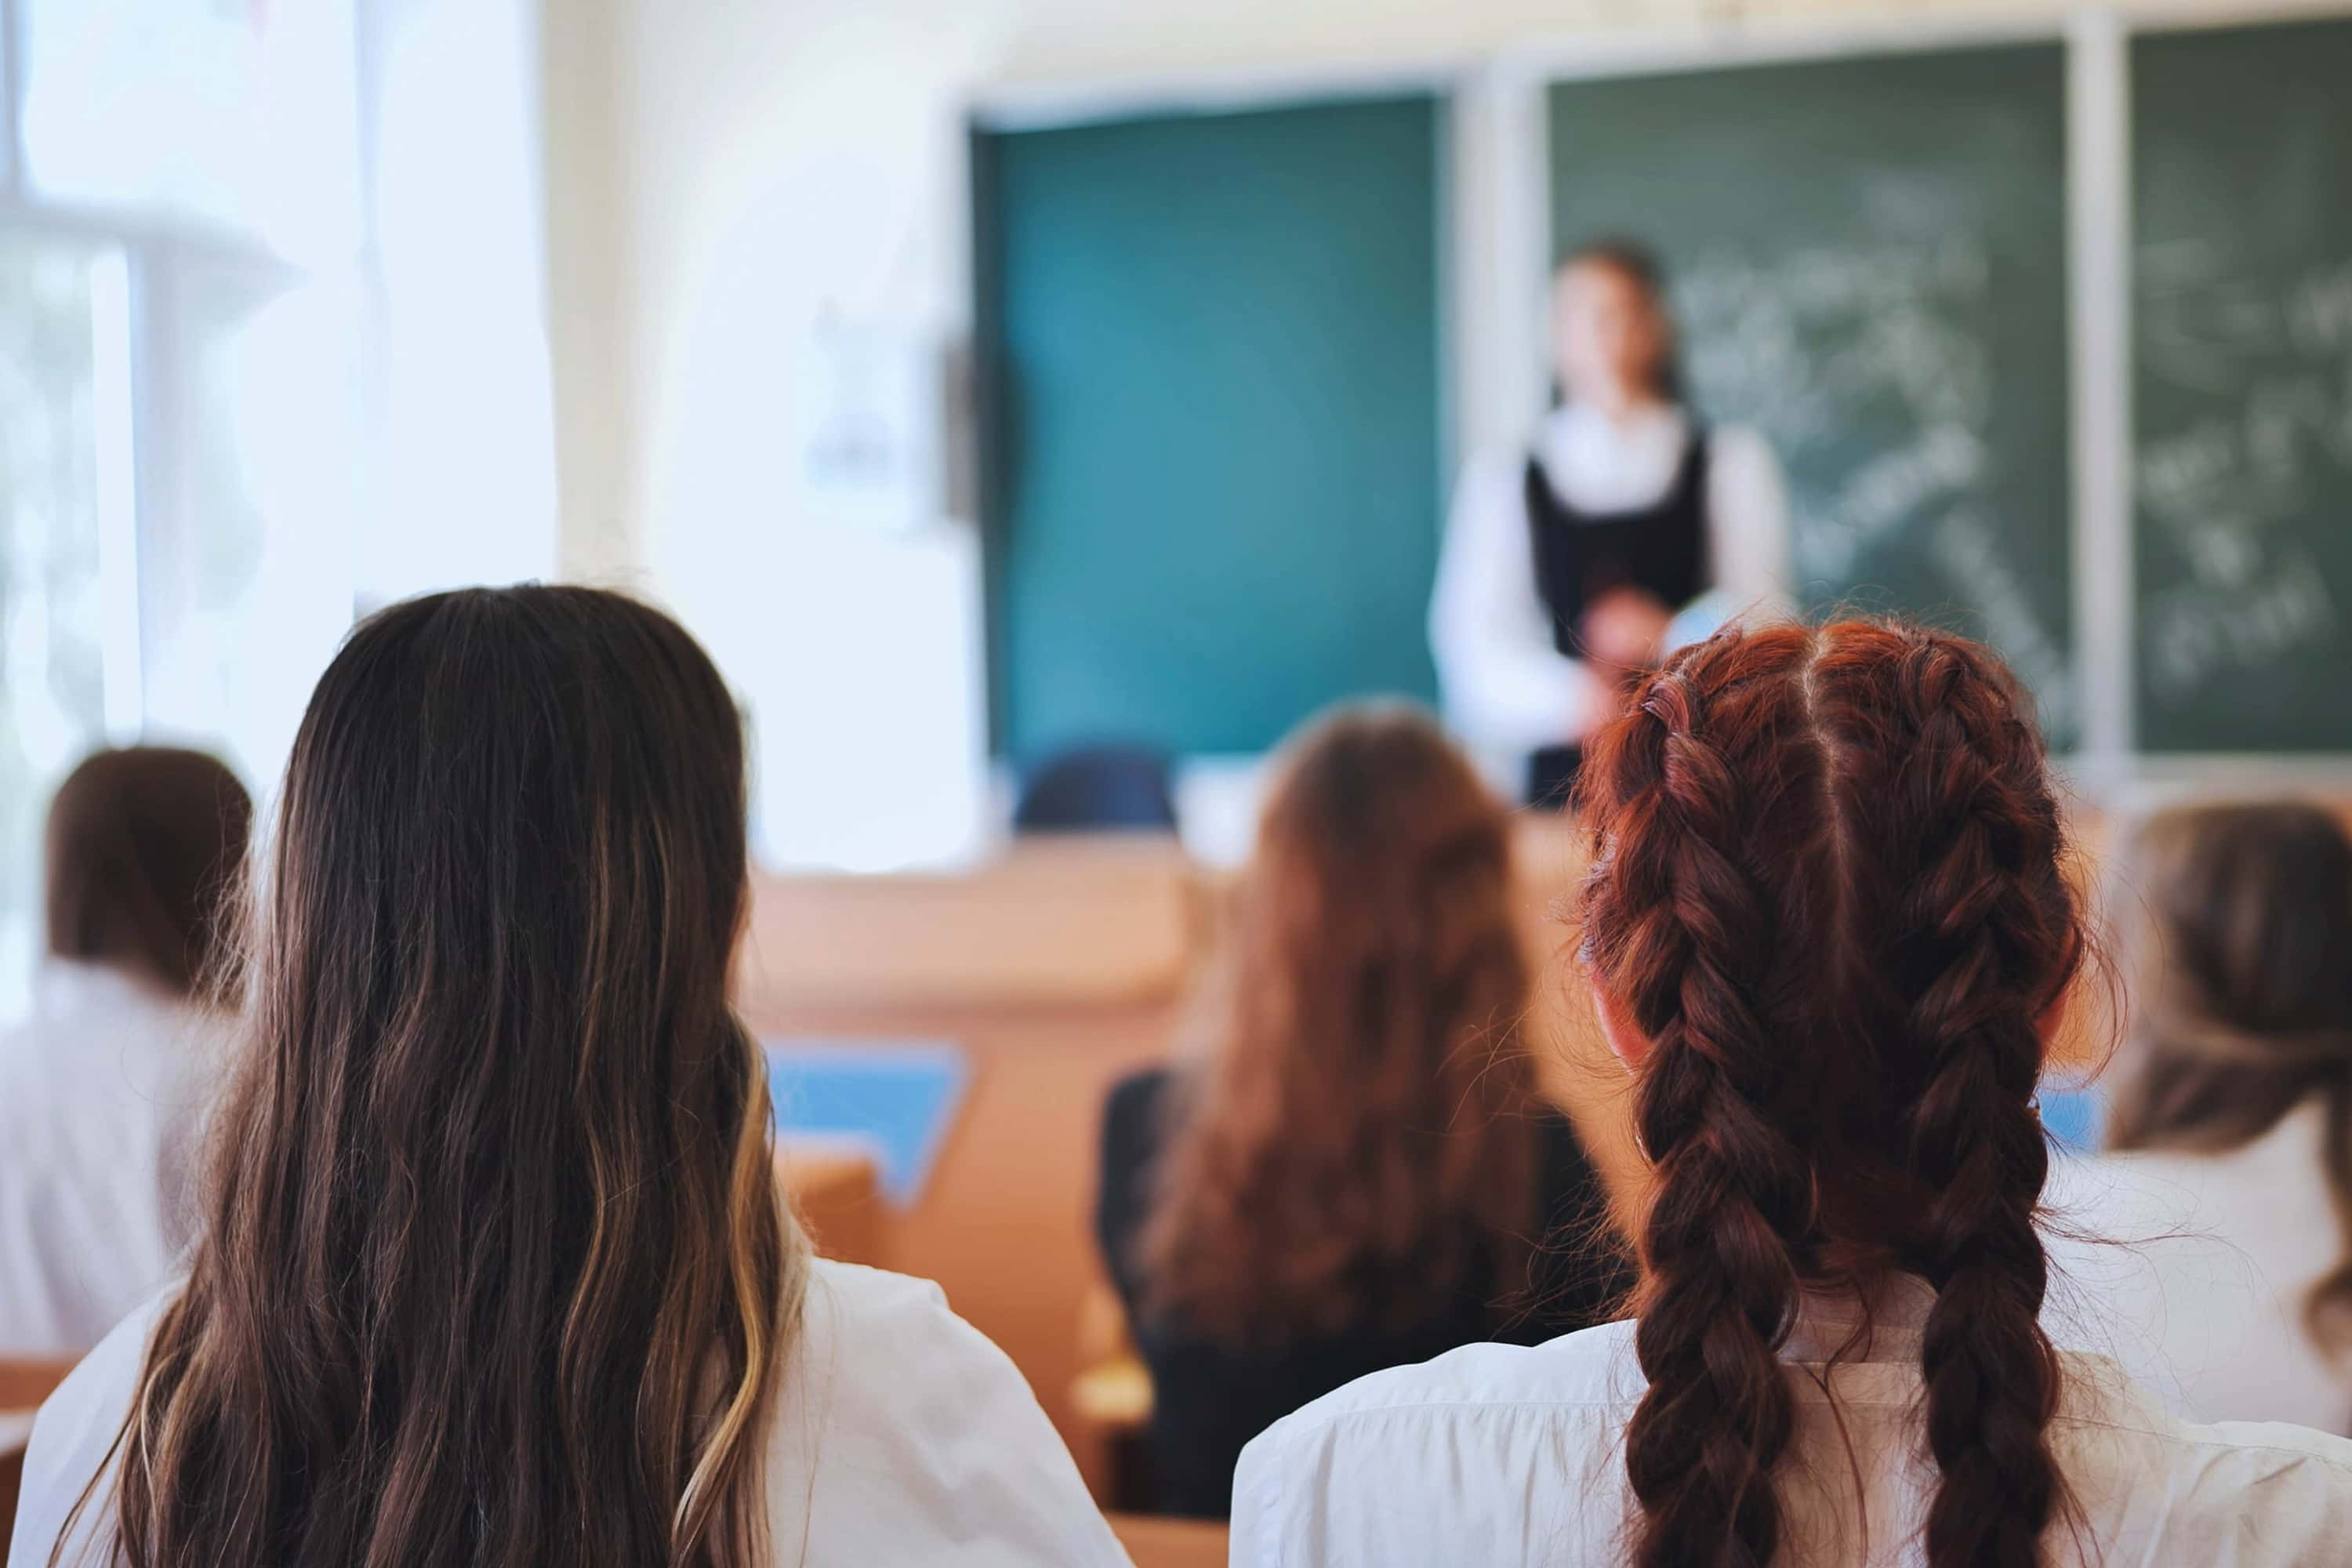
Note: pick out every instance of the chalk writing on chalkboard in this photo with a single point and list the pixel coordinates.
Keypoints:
(1891, 341)
(2267, 441)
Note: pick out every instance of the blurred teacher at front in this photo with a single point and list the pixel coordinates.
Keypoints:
(1625, 528)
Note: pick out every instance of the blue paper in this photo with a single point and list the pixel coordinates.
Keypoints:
(2074, 1117)
(898, 1097)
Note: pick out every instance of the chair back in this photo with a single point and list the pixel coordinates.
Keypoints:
(1170, 1542)
(1098, 789)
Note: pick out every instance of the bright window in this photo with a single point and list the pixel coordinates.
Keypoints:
(242, 388)
(64, 372)
(181, 389)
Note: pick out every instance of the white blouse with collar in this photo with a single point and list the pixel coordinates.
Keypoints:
(1497, 1457)
(2193, 1269)
(901, 1436)
(103, 1097)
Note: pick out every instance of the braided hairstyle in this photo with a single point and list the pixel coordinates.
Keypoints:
(1827, 889)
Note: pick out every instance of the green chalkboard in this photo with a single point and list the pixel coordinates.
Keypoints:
(1867, 259)
(2241, 203)
(1211, 416)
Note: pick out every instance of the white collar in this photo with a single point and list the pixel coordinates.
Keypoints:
(1839, 1325)
(67, 988)
(1583, 425)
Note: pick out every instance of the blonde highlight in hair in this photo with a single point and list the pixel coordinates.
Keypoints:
(495, 1271)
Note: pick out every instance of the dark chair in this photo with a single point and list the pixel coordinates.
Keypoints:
(1098, 789)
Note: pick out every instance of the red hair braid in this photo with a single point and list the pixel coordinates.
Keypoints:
(1826, 889)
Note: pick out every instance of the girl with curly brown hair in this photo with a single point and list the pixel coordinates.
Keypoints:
(1353, 1169)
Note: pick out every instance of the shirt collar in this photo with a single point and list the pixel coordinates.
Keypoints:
(66, 988)
(1889, 1324)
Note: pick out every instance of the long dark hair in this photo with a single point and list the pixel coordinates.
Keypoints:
(1358, 1142)
(2247, 999)
(143, 844)
(1827, 889)
(493, 1268)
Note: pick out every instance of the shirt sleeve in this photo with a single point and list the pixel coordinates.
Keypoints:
(2262, 1495)
(1748, 525)
(74, 1444)
(925, 1442)
(1509, 689)
(1263, 1493)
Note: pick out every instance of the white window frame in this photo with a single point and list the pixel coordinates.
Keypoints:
(143, 452)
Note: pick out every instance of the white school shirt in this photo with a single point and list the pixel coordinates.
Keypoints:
(102, 1100)
(1507, 688)
(1498, 1456)
(902, 1435)
(2194, 1269)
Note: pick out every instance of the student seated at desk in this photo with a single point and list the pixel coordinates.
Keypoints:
(2230, 1180)
(102, 1091)
(1355, 1170)
(494, 1268)
(1827, 923)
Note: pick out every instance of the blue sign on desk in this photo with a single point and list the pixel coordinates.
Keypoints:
(898, 1098)
(2075, 1116)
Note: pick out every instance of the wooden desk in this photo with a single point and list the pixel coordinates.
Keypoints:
(1170, 1542)
(16, 1431)
(24, 1382)
(23, 1385)
(1059, 923)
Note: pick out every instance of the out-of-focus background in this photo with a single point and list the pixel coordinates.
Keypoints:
(988, 379)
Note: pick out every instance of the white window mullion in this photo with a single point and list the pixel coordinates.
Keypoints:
(115, 438)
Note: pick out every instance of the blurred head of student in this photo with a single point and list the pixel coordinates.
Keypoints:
(141, 847)
(1354, 1143)
(1612, 340)
(2245, 996)
(1824, 919)
(493, 1270)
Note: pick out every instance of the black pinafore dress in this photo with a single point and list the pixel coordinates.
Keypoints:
(1660, 549)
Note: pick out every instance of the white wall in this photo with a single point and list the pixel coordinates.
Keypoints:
(767, 162)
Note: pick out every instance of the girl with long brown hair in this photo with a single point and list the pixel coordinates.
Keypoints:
(103, 1088)
(1827, 923)
(493, 1267)
(1354, 1169)
(2229, 1170)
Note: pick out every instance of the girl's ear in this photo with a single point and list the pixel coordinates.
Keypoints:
(1626, 1041)
(2053, 1018)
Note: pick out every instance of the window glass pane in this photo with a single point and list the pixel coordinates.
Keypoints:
(238, 114)
(52, 384)
(7, 143)
(246, 551)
